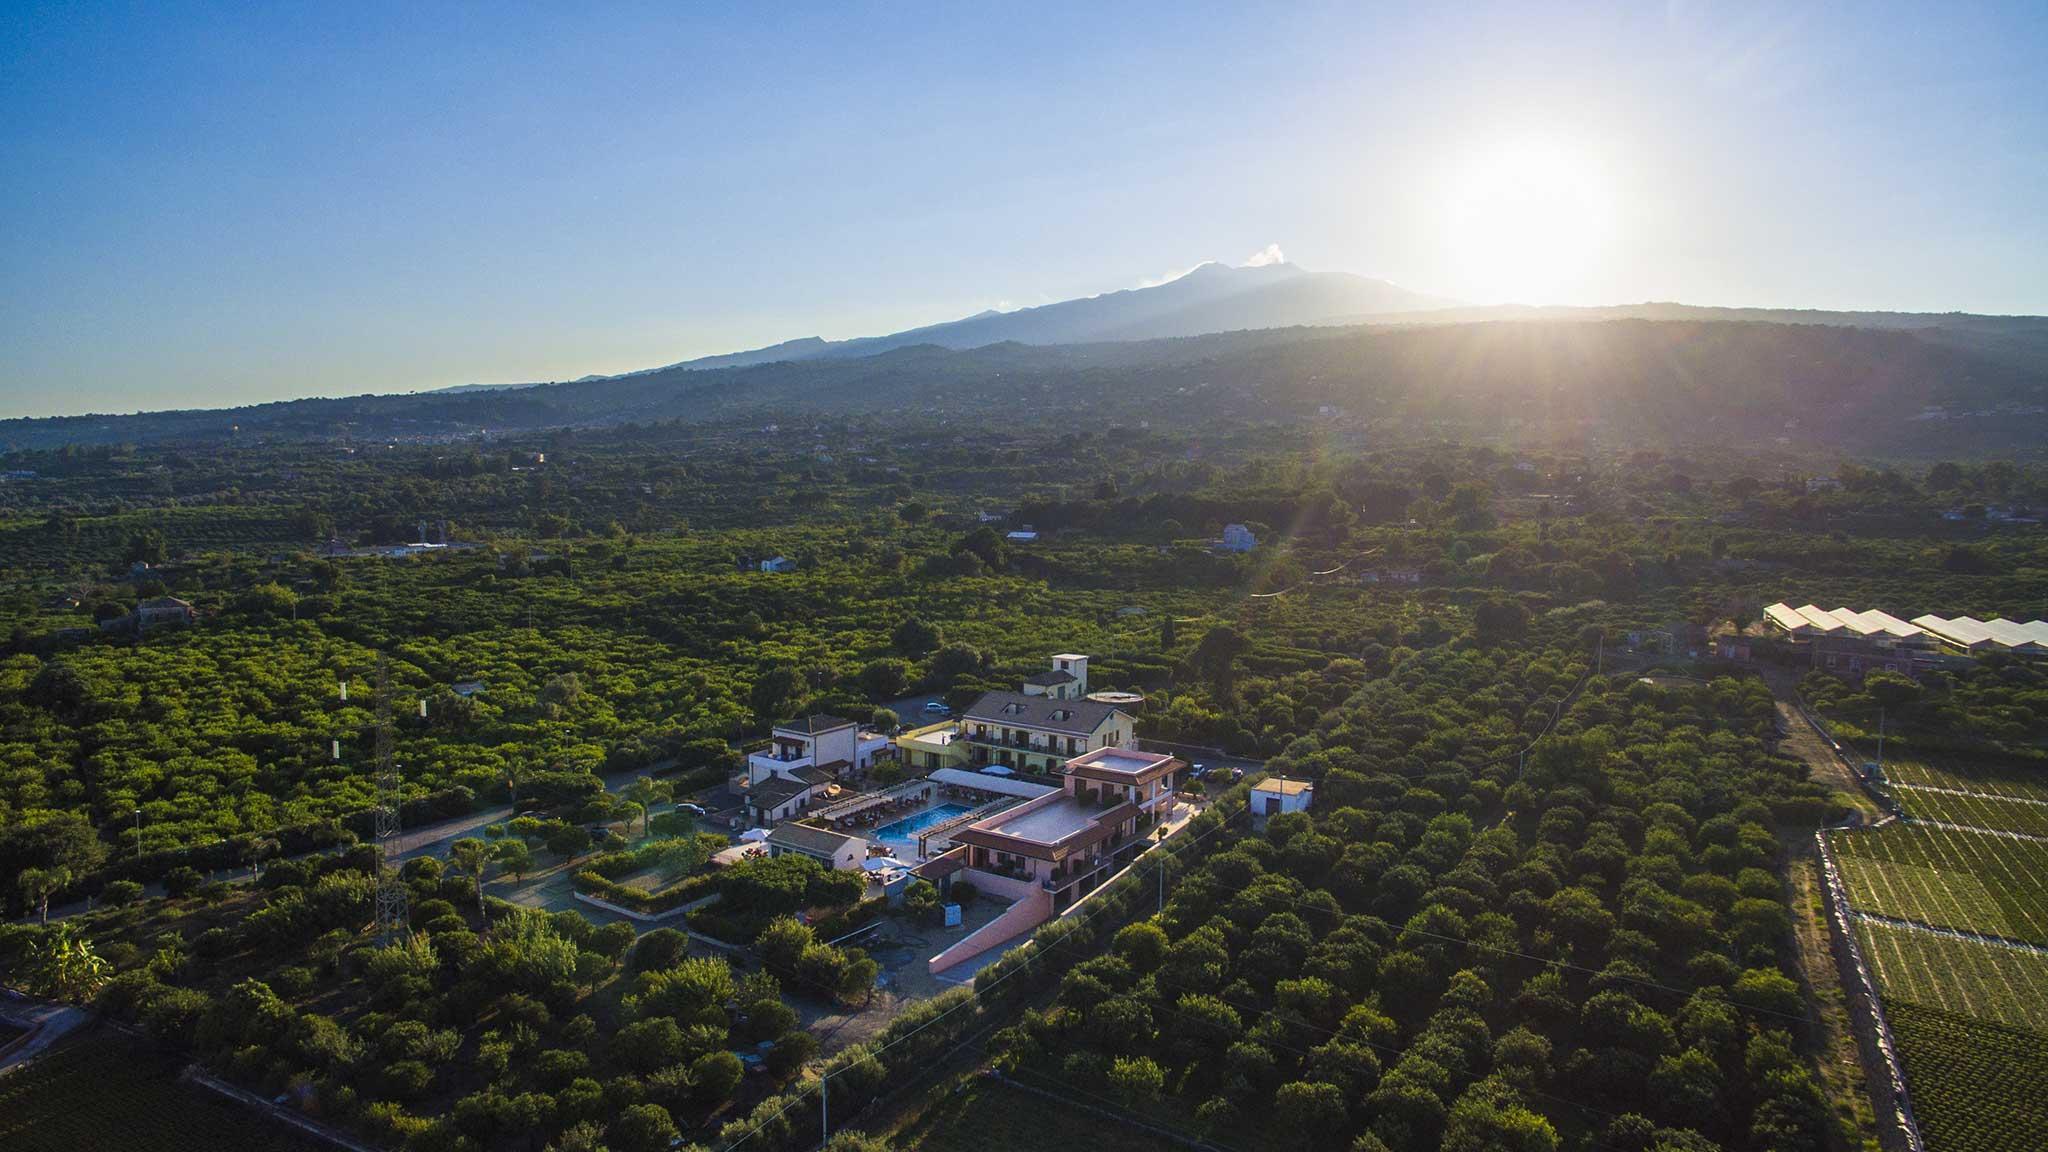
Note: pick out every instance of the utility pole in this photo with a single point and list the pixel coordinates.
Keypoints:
(824, 1108)
(1880, 742)
(138, 835)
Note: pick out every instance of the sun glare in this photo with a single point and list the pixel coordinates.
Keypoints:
(1528, 220)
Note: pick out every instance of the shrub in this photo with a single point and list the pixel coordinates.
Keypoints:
(119, 893)
(182, 881)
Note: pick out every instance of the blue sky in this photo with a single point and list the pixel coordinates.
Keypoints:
(209, 205)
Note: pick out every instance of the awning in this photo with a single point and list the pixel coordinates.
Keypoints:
(1003, 785)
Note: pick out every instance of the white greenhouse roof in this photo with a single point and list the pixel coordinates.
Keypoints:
(1997, 632)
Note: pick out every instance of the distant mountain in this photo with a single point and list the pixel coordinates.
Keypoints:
(2015, 340)
(1962, 386)
(1211, 298)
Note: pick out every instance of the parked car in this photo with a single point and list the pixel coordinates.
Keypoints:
(692, 809)
(1236, 774)
(937, 708)
(1198, 772)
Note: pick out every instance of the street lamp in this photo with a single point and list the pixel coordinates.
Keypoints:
(138, 835)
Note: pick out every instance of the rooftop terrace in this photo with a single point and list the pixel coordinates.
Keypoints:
(1045, 823)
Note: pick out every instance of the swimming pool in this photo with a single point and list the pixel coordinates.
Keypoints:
(903, 833)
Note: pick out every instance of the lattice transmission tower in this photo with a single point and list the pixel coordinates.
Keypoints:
(391, 918)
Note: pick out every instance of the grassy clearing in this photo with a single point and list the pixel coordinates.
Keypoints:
(109, 1091)
(1949, 876)
(1977, 1086)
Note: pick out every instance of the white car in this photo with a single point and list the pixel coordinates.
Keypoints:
(937, 707)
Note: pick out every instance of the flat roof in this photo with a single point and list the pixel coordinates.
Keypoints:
(814, 724)
(1284, 787)
(803, 837)
(1121, 760)
(1046, 824)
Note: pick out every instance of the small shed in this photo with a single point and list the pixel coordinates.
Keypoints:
(1277, 794)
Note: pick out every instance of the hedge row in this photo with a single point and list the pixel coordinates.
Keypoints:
(641, 900)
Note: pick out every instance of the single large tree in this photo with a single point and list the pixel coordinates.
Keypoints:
(39, 884)
(645, 793)
(471, 857)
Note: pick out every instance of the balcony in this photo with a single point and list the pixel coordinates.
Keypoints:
(1057, 745)
(770, 762)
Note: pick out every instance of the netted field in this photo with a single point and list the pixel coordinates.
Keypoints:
(1977, 1086)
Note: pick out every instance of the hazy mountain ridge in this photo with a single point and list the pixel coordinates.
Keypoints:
(1211, 297)
(1705, 382)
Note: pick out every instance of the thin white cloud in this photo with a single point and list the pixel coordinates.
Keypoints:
(1270, 254)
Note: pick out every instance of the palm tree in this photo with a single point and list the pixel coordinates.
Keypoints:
(262, 849)
(65, 966)
(514, 773)
(645, 793)
(471, 857)
(39, 884)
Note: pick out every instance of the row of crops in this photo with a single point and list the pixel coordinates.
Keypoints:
(1970, 1015)
(108, 1090)
(1969, 810)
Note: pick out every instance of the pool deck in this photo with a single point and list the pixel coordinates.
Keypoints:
(903, 843)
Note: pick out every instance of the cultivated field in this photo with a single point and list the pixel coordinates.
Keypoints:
(1976, 811)
(1949, 878)
(1970, 1016)
(1962, 776)
(107, 1090)
(1991, 982)
(1977, 1086)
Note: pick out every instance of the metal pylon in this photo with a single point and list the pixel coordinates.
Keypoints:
(391, 918)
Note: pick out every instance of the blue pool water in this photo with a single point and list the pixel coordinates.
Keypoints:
(904, 832)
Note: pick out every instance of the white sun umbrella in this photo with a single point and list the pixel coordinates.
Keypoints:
(755, 835)
(997, 770)
(882, 863)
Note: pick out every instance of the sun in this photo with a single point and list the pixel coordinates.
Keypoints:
(1528, 219)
